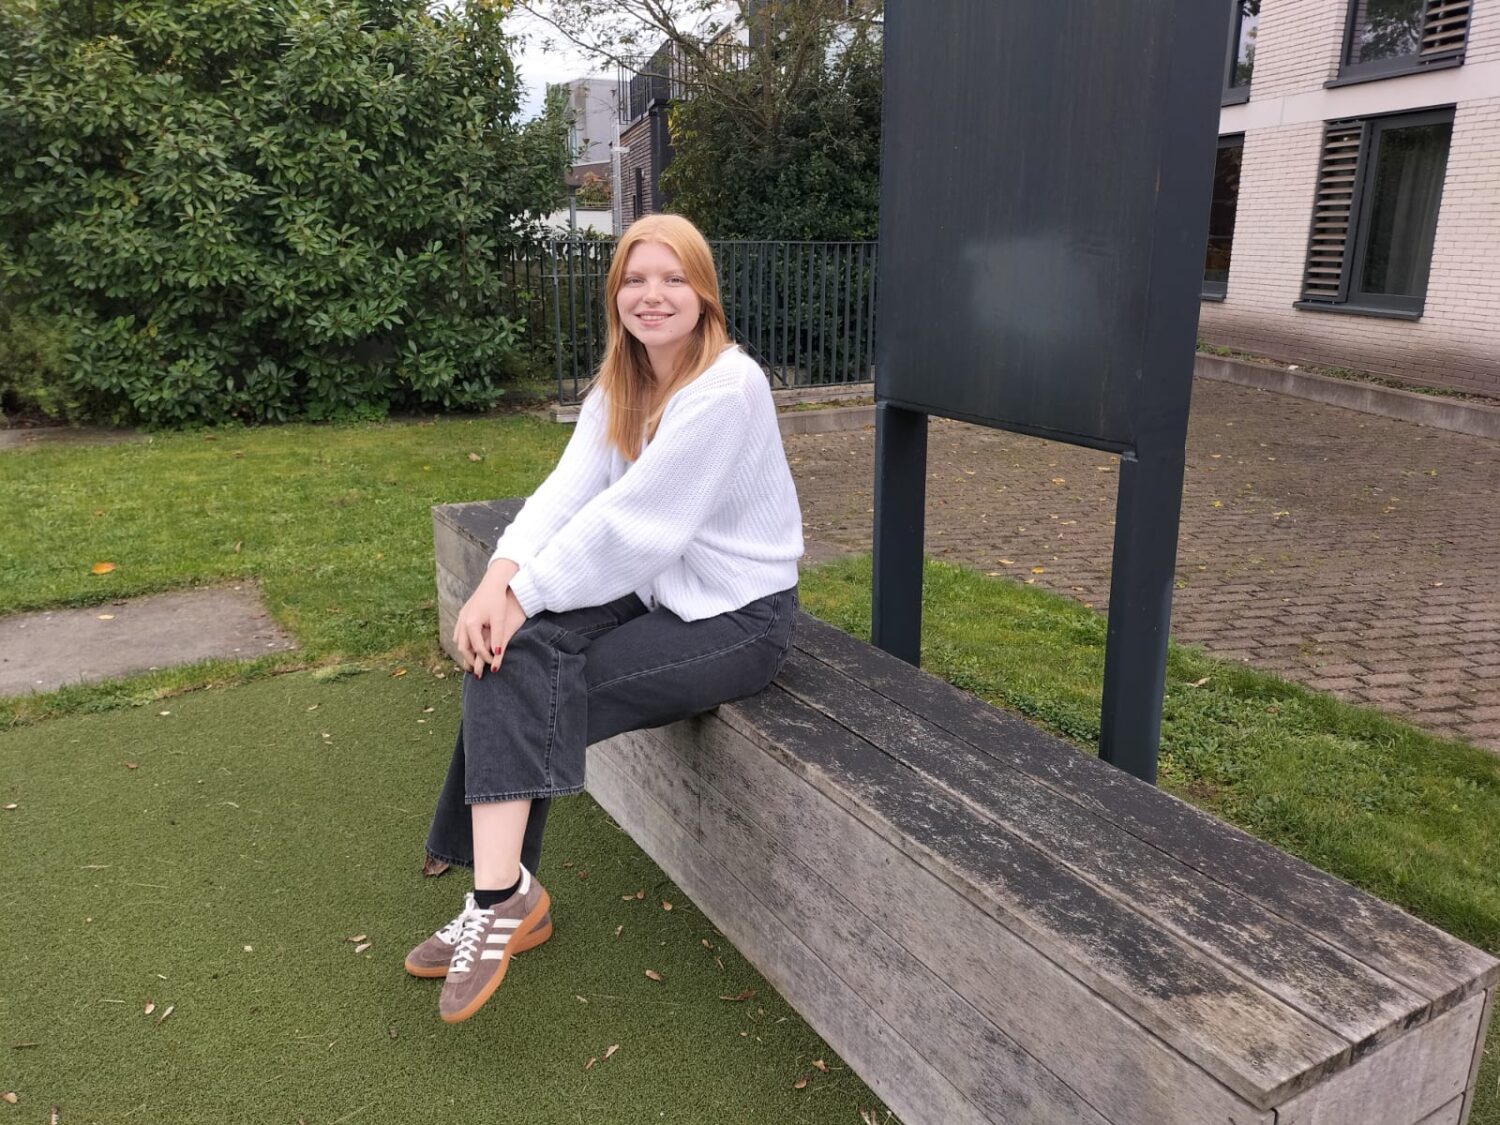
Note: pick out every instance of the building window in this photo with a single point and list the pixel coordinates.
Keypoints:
(1244, 22)
(1375, 219)
(1385, 37)
(640, 191)
(1221, 215)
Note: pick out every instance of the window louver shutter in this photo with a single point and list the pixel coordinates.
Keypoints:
(1337, 175)
(1445, 26)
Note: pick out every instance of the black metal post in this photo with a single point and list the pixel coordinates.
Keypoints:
(1140, 609)
(900, 511)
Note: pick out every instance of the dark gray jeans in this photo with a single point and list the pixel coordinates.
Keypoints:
(572, 679)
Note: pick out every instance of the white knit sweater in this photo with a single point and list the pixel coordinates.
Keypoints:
(704, 521)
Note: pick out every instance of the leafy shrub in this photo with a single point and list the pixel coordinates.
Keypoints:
(810, 171)
(31, 367)
(263, 209)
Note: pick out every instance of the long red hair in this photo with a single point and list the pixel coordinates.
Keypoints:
(636, 397)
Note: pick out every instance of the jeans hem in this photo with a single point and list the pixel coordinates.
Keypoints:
(521, 795)
(450, 860)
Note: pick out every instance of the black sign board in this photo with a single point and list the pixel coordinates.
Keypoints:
(1046, 178)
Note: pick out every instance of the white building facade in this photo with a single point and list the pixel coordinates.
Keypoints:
(1356, 218)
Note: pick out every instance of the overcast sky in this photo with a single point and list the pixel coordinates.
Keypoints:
(540, 63)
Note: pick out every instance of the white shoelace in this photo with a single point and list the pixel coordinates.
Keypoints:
(464, 930)
(471, 924)
(449, 934)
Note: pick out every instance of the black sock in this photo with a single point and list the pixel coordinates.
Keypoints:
(486, 899)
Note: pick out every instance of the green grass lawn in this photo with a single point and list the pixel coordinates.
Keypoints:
(334, 523)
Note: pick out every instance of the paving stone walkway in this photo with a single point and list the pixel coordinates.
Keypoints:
(1354, 554)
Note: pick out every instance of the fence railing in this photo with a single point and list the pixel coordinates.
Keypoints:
(805, 311)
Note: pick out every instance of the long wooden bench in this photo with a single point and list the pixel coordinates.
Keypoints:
(991, 926)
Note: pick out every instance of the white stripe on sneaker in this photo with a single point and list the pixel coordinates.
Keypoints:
(492, 955)
(496, 939)
(506, 923)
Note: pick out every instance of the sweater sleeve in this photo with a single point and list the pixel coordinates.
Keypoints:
(634, 529)
(581, 473)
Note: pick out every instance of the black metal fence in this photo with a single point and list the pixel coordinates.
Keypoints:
(805, 311)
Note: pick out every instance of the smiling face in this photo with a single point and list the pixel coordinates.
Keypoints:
(657, 305)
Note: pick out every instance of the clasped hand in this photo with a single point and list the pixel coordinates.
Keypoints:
(488, 620)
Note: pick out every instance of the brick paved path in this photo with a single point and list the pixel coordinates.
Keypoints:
(1353, 554)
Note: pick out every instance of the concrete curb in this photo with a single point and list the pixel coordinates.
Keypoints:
(835, 419)
(1457, 415)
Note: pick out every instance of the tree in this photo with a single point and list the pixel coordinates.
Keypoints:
(778, 137)
(262, 209)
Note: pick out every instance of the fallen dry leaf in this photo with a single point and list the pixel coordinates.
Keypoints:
(249, 949)
(101, 568)
(627, 898)
(1006, 562)
(589, 1065)
(611, 1049)
(55, 1117)
(706, 943)
(665, 905)
(1218, 503)
(132, 765)
(357, 938)
(745, 995)
(640, 894)
(1038, 570)
(163, 1017)
(433, 867)
(1199, 683)
(398, 673)
(653, 974)
(1059, 480)
(580, 999)
(9, 1097)
(238, 544)
(12, 807)
(617, 930)
(150, 1005)
(800, 1084)
(821, 1065)
(475, 457)
(362, 946)
(106, 617)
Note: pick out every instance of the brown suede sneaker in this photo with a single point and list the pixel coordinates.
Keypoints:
(484, 947)
(430, 959)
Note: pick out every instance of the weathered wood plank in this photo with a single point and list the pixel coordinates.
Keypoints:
(892, 1067)
(854, 894)
(1400, 1083)
(980, 1060)
(1450, 1114)
(1337, 991)
(1410, 951)
(456, 547)
(1256, 1045)
(1479, 1041)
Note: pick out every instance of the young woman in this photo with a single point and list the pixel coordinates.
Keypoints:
(652, 576)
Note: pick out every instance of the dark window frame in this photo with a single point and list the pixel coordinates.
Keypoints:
(1234, 95)
(1219, 290)
(1352, 72)
(1351, 298)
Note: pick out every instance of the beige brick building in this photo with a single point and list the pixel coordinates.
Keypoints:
(1357, 201)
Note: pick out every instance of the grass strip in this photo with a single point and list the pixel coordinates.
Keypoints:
(334, 522)
(217, 853)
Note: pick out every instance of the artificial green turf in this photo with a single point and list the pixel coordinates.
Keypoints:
(243, 825)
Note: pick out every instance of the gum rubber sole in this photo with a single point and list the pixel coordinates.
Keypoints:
(531, 940)
(538, 912)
